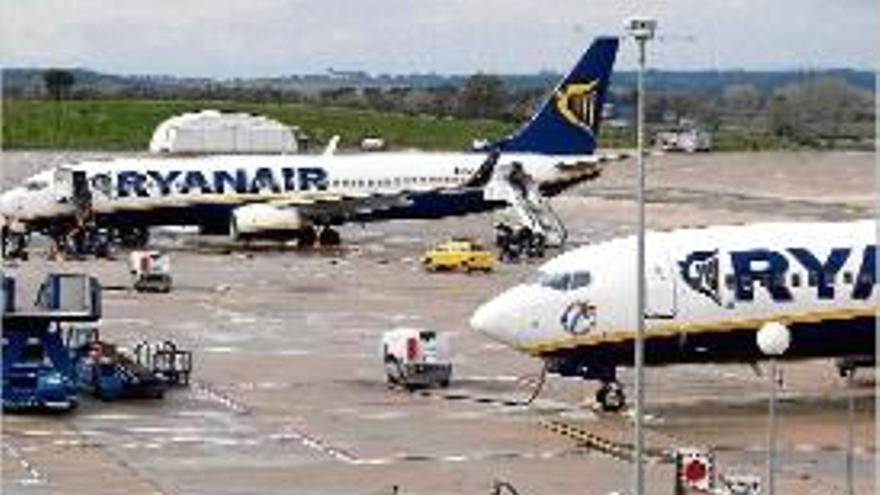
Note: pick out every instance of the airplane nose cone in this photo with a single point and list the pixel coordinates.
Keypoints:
(494, 319)
(8, 202)
(4, 205)
(483, 318)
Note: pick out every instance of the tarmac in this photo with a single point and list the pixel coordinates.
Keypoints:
(289, 393)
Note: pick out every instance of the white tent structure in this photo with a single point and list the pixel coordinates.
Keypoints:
(210, 131)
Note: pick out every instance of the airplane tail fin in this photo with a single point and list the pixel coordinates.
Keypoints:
(568, 121)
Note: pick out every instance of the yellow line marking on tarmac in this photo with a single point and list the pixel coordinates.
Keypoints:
(621, 451)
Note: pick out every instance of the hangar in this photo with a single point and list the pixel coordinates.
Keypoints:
(212, 131)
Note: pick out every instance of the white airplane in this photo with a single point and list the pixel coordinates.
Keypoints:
(295, 196)
(708, 292)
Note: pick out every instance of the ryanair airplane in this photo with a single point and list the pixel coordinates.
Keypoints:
(709, 290)
(302, 197)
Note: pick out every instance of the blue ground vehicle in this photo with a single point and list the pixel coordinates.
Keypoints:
(52, 352)
(38, 369)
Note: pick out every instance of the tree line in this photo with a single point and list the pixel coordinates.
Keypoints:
(812, 112)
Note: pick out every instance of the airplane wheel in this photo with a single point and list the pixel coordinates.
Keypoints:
(308, 237)
(611, 397)
(133, 237)
(330, 237)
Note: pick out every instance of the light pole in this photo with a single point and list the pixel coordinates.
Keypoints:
(642, 30)
(773, 340)
(850, 438)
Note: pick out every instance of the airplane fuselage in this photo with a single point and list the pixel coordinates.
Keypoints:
(204, 190)
(708, 292)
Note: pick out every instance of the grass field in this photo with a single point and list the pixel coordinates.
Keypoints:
(128, 124)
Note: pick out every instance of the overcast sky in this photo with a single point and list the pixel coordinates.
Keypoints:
(229, 38)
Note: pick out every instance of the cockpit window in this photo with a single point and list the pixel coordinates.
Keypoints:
(563, 281)
(35, 185)
(578, 280)
(557, 281)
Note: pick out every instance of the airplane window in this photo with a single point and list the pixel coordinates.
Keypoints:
(730, 282)
(579, 280)
(847, 278)
(795, 279)
(813, 279)
(555, 281)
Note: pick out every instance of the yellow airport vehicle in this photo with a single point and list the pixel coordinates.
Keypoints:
(459, 254)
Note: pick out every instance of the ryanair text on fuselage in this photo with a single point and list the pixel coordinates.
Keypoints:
(770, 269)
(132, 183)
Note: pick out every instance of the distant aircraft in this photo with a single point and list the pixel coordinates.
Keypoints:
(303, 197)
(708, 292)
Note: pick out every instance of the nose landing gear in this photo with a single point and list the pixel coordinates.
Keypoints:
(15, 242)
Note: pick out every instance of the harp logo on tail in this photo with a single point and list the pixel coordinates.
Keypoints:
(576, 103)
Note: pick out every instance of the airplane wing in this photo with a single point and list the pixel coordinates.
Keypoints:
(330, 207)
(591, 161)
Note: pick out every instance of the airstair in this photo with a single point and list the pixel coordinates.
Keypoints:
(512, 184)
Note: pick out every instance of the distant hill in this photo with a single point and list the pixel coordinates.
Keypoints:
(28, 82)
(764, 81)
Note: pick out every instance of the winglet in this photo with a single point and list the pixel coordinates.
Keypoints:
(483, 174)
(330, 150)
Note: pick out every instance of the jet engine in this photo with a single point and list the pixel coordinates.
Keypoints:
(266, 221)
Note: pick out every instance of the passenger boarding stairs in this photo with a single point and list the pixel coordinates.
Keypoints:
(512, 184)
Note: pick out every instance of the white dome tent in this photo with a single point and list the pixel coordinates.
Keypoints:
(211, 131)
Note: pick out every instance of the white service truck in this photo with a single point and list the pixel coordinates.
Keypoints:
(150, 271)
(416, 357)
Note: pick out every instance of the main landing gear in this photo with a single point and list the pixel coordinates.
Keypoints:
(309, 236)
(611, 397)
(132, 237)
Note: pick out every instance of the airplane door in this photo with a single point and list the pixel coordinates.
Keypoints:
(81, 192)
(661, 285)
(63, 181)
(72, 187)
